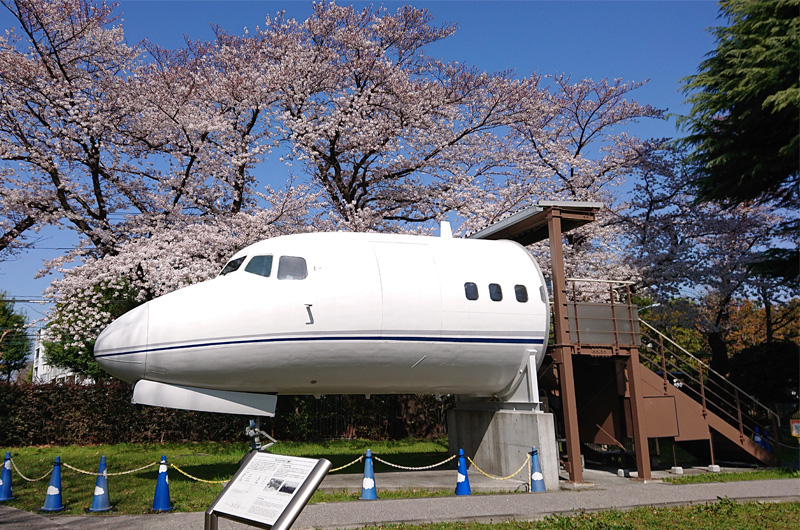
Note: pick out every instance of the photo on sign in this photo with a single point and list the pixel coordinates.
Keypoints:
(289, 487)
(274, 484)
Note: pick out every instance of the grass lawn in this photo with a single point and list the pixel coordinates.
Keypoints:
(133, 493)
(757, 474)
(722, 515)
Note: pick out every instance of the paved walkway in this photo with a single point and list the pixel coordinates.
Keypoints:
(607, 490)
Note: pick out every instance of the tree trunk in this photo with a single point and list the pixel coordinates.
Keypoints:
(719, 352)
(768, 314)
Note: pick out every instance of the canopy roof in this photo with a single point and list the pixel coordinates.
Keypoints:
(530, 225)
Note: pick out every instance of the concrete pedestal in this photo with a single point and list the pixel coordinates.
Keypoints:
(498, 441)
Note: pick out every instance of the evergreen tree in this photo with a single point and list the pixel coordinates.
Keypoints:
(14, 342)
(744, 125)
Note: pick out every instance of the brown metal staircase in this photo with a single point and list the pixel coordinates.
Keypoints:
(707, 405)
(618, 378)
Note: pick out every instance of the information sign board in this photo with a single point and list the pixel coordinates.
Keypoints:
(795, 428)
(268, 490)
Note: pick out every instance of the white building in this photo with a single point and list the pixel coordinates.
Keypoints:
(44, 373)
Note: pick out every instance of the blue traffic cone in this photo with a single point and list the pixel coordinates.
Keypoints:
(757, 438)
(161, 500)
(5, 480)
(101, 502)
(537, 478)
(462, 484)
(52, 502)
(368, 490)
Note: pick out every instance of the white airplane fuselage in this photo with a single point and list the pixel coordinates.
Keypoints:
(344, 313)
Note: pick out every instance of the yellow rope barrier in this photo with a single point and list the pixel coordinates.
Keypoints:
(525, 463)
(413, 468)
(179, 470)
(30, 479)
(359, 459)
(95, 473)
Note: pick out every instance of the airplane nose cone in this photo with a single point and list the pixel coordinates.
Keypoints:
(121, 349)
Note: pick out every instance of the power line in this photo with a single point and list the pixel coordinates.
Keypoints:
(40, 300)
(45, 248)
(30, 300)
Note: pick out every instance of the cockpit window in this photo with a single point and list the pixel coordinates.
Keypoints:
(232, 265)
(292, 268)
(261, 265)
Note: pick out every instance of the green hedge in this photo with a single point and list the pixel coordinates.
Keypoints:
(64, 414)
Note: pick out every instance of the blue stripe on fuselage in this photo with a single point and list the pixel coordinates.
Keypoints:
(450, 340)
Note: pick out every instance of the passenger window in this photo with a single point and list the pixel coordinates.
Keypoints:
(232, 265)
(495, 292)
(292, 268)
(261, 265)
(471, 290)
(521, 292)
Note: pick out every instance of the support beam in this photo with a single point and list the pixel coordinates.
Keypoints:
(637, 415)
(562, 349)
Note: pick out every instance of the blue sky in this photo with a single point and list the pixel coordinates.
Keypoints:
(662, 41)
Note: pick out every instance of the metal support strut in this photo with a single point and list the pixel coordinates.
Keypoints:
(255, 433)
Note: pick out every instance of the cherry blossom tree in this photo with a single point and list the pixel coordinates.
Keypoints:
(157, 261)
(699, 251)
(154, 156)
(108, 138)
(575, 144)
(391, 135)
(59, 69)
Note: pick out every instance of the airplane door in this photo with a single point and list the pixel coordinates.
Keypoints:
(412, 300)
(294, 286)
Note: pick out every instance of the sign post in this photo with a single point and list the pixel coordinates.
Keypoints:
(268, 491)
(796, 433)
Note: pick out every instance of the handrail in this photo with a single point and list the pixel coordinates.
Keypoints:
(704, 384)
(713, 391)
(711, 370)
(714, 394)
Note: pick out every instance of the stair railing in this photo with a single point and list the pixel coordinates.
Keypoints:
(712, 390)
(601, 314)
